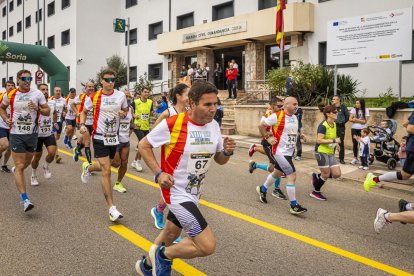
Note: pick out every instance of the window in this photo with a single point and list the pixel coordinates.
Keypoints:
(38, 15)
(19, 2)
(65, 4)
(5, 11)
(185, 20)
(155, 71)
(11, 79)
(19, 26)
(134, 37)
(133, 74)
(154, 30)
(4, 35)
(38, 42)
(68, 72)
(3, 82)
(11, 31)
(223, 11)
(28, 21)
(265, 4)
(51, 42)
(412, 52)
(51, 8)
(130, 3)
(66, 37)
(322, 57)
(11, 6)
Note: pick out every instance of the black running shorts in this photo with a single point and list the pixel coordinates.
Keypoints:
(47, 141)
(100, 150)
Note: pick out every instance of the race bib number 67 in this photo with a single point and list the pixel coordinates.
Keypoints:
(199, 163)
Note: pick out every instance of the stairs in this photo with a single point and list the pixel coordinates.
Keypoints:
(228, 126)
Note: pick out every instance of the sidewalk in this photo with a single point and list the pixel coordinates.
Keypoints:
(349, 172)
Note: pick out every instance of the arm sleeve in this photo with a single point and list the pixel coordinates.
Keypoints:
(124, 103)
(77, 100)
(88, 104)
(5, 100)
(41, 99)
(353, 112)
(321, 129)
(160, 135)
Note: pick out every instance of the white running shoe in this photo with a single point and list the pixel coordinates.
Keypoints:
(46, 172)
(85, 173)
(360, 167)
(365, 168)
(27, 205)
(74, 137)
(33, 180)
(136, 164)
(114, 214)
(380, 220)
(354, 161)
(298, 158)
(13, 170)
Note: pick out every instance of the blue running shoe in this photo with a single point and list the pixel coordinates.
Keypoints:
(141, 269)
(177, 240)
(162, 266)
(75, 154)
(158, 218)
(65, 140)
(69, 145)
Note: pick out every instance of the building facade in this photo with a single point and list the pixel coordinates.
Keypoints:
(168, 34)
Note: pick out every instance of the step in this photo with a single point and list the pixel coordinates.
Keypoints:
(228, 131)
(229, 118)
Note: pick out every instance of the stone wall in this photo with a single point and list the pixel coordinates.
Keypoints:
(247, 118)
(207, 56)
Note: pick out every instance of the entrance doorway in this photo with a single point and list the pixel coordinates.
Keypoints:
(222, 57)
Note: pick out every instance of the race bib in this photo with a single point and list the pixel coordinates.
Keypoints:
(199, 163)
(24, 128)
(110, 139)
(144, 117)
(89, 115)
(124, 127)
(291, 140)
(46, 129)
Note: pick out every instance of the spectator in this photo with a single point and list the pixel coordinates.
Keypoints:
(343, 117)
(161, 105)
(218, 75)
(359, 117)
(183, 72)
(206, 70)
(402, 153)
(219, 113)
(231, 75)
(190, 73)
(364, 141)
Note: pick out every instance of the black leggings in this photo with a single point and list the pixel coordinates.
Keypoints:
(355, 143)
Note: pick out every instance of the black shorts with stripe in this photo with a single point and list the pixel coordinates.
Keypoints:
(187, 216)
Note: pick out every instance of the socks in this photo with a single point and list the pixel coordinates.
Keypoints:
(88, 154)
(389, 176)
(291, 191)
(409, 207)
(387, 217)
(277, 182)
(79, 147)
(269, 181)
(264, 167)
(160, 208)
(319, 183)
(24, 196)
(33, 172)
(263, 189)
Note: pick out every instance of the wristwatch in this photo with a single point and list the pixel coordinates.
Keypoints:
(227, 154)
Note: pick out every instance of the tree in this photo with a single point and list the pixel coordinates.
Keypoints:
(117, 64)
(144, 81)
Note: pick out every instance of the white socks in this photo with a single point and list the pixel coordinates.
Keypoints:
(269, 181)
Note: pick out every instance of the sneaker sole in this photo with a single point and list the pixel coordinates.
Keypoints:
(315, 197)
(30, 207)
(120, 191)
(276, 196)
(297, 213)
(155, 220)
(151, 254)
(115, 220)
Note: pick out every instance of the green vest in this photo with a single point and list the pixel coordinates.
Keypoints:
(143, 111)
(330, 135)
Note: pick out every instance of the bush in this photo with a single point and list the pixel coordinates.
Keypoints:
(144, 81)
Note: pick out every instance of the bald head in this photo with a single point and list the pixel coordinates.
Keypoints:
(290, 106)
(89, 87)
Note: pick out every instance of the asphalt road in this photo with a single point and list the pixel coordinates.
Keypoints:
(69, 233)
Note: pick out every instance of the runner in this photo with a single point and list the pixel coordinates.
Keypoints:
(108, 106)
(4, 131)
(70, 118)
(60, 107)
(45, 137)
(143, 109)
(326, 143)
(25, 104)
(185, 159)
(282, 144)
(84, 139)
(406, 215)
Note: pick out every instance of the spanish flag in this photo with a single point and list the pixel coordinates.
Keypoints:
(280, 6)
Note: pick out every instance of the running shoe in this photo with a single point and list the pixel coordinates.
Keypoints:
(33, 180)
(402, 207)
(58, 159)
(360, 167)
(158, 218)
(27, 205)
(74, 138)
(354, 161)
(314, 179)
(46, 172)
(160, 265)
(365, 168)
(298, 158)
(262, 195)
(70, 145)
(76, 154)
(279, 194)
(252, 149)
(13, 170)
(177, 240)
(141, 269)
(380, 220)
(136, 165)
(85, 173)
(369, 182)
(252, 166)
(317, 195)
(114, 214)
(119, 187)
(5, 169)
(297, 209)
(65, 140)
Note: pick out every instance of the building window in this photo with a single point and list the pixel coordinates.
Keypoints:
(11, 31)
(11, 79)
(11, 6)
(19, 2)
(133, 74)
(223, 11)
(134, 37)
(38, 15)
(65, 4)
(51, 42)
(28, 21)
(3, 82)
(38, 42)
(265, 4)
(4, 35)
(66, 37)
(19, 26)
(154, 30)
(5, 11)
(185, 20)
(51, 8)
(155, 71)
(323, 53)
(130, 3)
(412, 52)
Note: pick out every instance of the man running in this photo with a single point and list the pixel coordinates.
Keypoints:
(142, 111)
(282, 144)
(108, 106)
(186, 158)
(70, 118)
(45, 137)
(4, 131)
(60, 107)
(25, 105)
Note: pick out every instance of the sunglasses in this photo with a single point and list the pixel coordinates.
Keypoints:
(26, 78)
(280, 106)
(108, 80)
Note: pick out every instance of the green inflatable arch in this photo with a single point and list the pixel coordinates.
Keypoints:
(39, 55)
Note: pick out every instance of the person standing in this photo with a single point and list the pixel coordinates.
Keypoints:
(359, 118)
(341, 120)
(4, 131)
(25, 105)
(218, 76)
(231, 75)
(184, 165)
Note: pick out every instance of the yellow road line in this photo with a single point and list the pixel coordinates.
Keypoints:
(288, 233)
(178, 265)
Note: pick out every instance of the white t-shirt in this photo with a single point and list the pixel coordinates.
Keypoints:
(188, 150)
(106, 115)
(89, 115)
(59, 106)
(3, 123)
(364, 146)
(46, 122)
(124, 126)
(359, 116)
(285, 131)
(172, 111)
(23, 118)
(70, 115)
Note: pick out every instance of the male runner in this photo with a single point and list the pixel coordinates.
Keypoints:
(70, 118)
(4, 131)
(189, 141)
(25, 105)
(45, 137)
(60, 107)
(108, 106)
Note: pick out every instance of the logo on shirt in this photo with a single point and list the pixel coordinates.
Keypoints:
(200, 137)
(110, 125)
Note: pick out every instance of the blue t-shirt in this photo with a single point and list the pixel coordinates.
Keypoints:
(410, 140)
